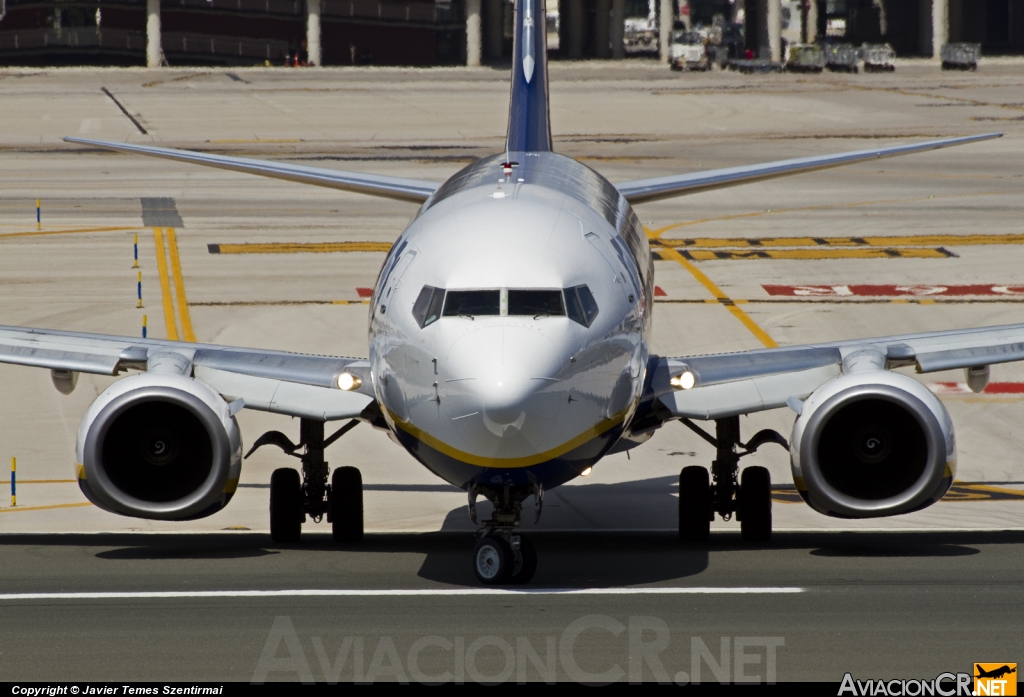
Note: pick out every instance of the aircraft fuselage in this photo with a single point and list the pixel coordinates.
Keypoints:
(491, 364)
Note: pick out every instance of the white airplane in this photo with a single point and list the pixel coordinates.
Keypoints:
(508, 353)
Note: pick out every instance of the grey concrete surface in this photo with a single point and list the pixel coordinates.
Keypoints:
(878, 605)
(627, 121)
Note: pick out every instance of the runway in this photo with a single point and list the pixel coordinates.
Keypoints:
(878, 605)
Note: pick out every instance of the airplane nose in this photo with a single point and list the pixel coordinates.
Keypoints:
(504, 373)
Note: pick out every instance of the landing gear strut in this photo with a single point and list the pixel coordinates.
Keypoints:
(727, 493)
(292, 499)
(503, 556)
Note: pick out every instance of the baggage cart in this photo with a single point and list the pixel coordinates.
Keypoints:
(960, 56)
(878, 58)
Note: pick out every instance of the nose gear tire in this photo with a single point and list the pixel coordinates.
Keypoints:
(492, 561)
(525, 563)
(285, 506)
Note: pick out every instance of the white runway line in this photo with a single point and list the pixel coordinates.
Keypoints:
(418, 592)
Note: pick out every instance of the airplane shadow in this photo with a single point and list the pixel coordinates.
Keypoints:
(869, 546)
(570, 560)
(163, 551)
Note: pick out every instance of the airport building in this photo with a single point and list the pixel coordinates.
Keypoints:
(468, 32)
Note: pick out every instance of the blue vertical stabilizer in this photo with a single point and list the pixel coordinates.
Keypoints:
(529, 124)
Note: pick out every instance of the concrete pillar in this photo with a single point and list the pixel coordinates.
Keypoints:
(495, 28)
(313, 32)
(811, 22)
(154, 48)
(618, 30)
(574, 35)
(774, 29)
(473, 35)
(940, 26)
(602, 38)
(665, 19)
(956, 20)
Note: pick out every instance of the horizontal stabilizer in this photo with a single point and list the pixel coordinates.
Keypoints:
(374, 184)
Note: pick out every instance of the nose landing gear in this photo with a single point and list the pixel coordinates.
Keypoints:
(503, 556)
(748, 496)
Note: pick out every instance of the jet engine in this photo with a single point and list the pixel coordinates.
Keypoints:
(872, 443)
(159, 446)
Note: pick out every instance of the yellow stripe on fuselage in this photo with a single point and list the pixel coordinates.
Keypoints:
(509, 462)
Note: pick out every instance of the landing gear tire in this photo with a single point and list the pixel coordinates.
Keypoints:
(525, 563)
(694, 505)
(493, 561)
(285, 506)
(346, 505)
(755, 505)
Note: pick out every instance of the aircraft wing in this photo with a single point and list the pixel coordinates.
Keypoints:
(375, 184)
(743, 383)
(642, 190)
(275, 381)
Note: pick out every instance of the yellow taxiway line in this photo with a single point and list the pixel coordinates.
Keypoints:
(179, 287)
(892, 241)
(37, 233)
(721, 297)
(22, 509)
(165, 284)
(808, 254)
(167, 271)
(299, 247)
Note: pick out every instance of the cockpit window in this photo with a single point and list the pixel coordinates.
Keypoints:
(580, 305)
(535, 302)
(472, 302)
(577, 302)
(427, 308)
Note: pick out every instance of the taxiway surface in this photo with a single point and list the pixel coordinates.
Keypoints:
(878, 605)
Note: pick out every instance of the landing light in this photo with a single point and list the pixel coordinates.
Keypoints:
(586, 472)
(348, 381)
(683, 381)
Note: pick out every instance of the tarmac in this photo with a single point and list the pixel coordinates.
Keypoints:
(806, 258)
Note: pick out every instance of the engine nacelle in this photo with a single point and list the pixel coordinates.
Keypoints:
(870, 444)
(159, 446)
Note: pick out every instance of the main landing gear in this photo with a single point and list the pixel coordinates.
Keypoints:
(292, 497)
(748, 495)
(503, 556)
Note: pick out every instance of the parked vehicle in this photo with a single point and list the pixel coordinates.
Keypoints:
(688, 51)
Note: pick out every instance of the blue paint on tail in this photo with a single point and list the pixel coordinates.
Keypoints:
(529, 123)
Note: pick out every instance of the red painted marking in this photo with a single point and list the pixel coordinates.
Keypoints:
(892, 290)
(941, 388)
(658, 291)
(364, 292)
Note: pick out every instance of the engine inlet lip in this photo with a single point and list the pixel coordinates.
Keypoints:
(838, 503)
(117, 500)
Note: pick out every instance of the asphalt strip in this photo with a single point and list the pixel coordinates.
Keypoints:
(439, 592)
